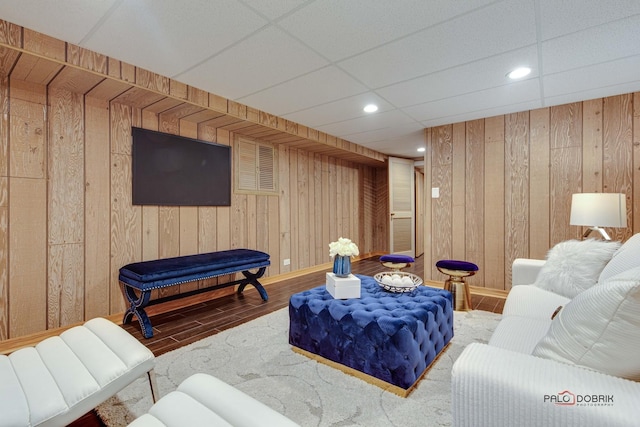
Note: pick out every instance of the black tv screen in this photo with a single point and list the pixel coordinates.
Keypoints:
(171, 170)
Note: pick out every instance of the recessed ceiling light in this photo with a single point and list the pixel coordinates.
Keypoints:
(519, 73)
(421, 149)
(370, 108)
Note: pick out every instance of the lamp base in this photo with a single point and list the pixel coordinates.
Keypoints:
(600, 230)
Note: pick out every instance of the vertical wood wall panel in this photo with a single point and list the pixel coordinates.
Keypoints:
(516, 189)
(317, 206)
(274, 235)
(332, 189)
(28, 133)
(566, 168)
(303, 197)
(126, 223)
(260, 223)
(27, 303)
(65, 288)
(4, 262)
(382, 213)
(494, 206)
(65, 208)
(592, 146)
(441, 210)
(251, 221)
(474, 198)
(538, 215)
(285, 214)
(223, 222)
(97, 203)
(327, 234)
(294, 220)
(4, 204)
(634, 203)
(458, 190)
(521, 171)
(27, 255)
(618, 153)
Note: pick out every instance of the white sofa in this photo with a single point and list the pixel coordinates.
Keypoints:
(573, 370)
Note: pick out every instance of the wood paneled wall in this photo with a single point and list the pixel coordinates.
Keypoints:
(67, 223)
(506, 182)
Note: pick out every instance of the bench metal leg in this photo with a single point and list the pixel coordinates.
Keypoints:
(136, 308)
(252, 278)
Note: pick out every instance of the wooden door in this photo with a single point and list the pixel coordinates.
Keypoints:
(401, 206)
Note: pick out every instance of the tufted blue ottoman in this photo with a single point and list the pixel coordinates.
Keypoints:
(390, 337)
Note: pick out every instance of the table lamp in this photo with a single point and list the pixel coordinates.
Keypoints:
(597, 210)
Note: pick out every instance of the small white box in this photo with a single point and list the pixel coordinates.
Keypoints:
(343, 287)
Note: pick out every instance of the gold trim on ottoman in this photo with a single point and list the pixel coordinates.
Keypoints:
(369, 378)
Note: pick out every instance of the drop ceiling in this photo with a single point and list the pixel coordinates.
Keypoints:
(319, 62)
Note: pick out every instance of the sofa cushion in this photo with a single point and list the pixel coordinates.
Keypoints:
(531, 301)
(625, 258)
(574, 265)
(519, 333)
(599, 329)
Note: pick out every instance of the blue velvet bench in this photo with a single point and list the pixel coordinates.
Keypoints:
(140, 278)
(392, 338)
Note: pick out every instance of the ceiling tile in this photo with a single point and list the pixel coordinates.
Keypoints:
(68, 20)
(482, 113)
(486, 32)
(407, 132)
(273, 9)
(157, 35)
(608, 74)
(592, 46)
(471, 77)
(519, 92)
(369, 122)
(338, 29)
(558, 18)
(343, 109)
(261, 61)
(325, 85)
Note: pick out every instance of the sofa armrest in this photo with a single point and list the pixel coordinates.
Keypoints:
(524, 271)
(496, 387)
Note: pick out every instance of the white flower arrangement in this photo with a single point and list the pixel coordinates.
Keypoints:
(343, 247)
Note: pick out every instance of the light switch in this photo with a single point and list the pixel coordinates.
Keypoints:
(435, 192)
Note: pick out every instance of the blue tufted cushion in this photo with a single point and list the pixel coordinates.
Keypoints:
(168, 271)
(396, 258)
(451, 264)
(391, 336)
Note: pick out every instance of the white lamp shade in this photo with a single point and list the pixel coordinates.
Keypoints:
(599, 210)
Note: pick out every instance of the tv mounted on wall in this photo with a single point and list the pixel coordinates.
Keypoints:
(171, 170)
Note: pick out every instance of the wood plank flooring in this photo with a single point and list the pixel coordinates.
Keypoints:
(187, 325)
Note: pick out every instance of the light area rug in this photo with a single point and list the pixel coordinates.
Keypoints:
(256, 358)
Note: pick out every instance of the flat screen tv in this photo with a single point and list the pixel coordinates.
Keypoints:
(171, 170)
